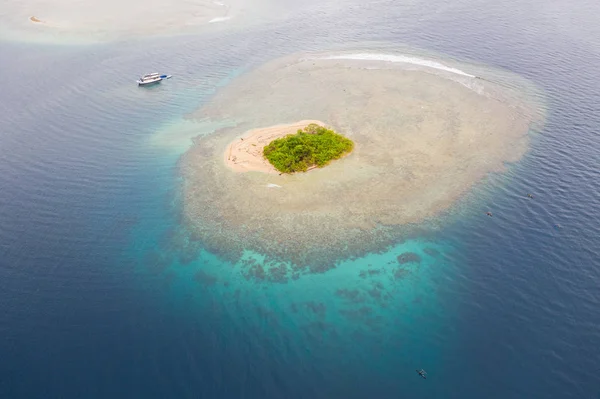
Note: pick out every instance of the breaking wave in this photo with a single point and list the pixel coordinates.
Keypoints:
(219, 19)
(399, 58)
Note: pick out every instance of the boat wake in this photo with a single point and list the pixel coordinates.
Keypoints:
(399, 58)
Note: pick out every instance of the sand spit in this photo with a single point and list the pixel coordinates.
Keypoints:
(246, 154)
(422, 140)
(97, 20)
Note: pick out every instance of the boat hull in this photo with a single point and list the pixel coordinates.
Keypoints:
(153, 81)
(141, 83)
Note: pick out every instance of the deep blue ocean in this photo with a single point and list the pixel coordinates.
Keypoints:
(103, 295)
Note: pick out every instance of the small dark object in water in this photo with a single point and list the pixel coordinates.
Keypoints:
(529, 195)
(422, 373)
(489, 214)
(557, 226)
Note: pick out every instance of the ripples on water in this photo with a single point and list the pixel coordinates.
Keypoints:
(98, 301)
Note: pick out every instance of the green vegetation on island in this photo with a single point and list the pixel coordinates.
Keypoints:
(313, 146)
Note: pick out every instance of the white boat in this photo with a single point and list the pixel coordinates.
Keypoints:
(151, 78)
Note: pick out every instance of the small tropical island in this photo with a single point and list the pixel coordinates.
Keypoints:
(287, 148)
(312, 147)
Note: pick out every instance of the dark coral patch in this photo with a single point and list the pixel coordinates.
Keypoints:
(204, 278)
(317, 308)
(350, 295)
(400, 273)
(408, 257)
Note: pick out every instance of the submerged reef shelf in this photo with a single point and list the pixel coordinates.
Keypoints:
(422, 140)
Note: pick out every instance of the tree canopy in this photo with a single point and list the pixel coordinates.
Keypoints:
(313, 146)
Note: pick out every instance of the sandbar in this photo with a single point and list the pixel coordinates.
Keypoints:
(96, 20)
(246, 154)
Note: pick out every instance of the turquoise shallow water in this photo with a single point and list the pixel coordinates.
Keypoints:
(103, 294)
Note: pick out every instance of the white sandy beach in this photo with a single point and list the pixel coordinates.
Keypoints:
(246, 154)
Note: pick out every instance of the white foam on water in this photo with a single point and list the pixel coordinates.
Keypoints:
(399, 58)
(219, 19)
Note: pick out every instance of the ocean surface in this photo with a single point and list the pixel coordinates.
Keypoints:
(103, 293)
